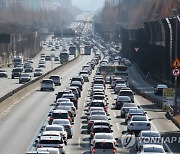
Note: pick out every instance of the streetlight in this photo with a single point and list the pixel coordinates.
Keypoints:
(175, 11)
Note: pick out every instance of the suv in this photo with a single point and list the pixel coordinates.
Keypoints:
(47, 84)
(56, 79)
(16, 72)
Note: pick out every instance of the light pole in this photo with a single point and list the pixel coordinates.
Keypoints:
(176, 46)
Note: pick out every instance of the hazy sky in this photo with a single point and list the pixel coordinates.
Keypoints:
(88, 5)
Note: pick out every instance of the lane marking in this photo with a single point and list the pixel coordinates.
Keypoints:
(114, 114)
(155, 128)
(79, 142)
(117, 126)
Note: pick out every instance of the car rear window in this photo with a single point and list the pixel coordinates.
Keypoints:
(97, 104)
(139, 119)
(101, 123)
(54, 129)
(126, 93)
(103, 130)
(60, 115)
(103, 145)
(51, 142)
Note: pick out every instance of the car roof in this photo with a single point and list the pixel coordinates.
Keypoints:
(36, 152)
(54, 125)
(129, 105)
(101, 126)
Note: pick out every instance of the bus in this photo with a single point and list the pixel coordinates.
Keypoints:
(87, 50)
(72, 50)
(64, 57)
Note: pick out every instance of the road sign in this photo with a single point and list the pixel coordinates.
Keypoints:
(176, 63)
(168, 96)
(176, 72)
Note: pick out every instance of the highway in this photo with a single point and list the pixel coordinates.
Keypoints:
(8, 84)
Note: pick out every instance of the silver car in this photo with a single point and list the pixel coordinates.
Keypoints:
(67, 125)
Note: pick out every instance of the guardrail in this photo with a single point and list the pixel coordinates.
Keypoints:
(18, 93)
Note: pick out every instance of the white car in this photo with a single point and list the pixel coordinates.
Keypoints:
(102, 137)
(67, 125)
(125, 108)
(138, 123)
(96, 112)
(148, 137)
(106, 147)
(47, 84)
(41, 64)
(52, 141)
(57, 128)
(152, 148)
(38, 72)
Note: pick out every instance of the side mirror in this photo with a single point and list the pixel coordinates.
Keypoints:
(116, 139)
(111, 130)
(145, 112)
(91, 144)
(111, 125)
(108, 114)
(116, 145)
(106, 98)
(65, 142)
(149, 119)
(109, 118)
(115, 99)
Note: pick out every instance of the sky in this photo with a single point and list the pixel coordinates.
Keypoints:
(88, 5)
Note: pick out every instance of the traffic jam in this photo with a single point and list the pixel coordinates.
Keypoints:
(57, 130)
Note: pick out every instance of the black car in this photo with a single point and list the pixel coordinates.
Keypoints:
(16, 72)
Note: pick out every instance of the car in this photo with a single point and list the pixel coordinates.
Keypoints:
(75, 90)
(100, 129)
(85, 75)
(106, 147)
(76, 83)
(41, 64)
(120, 100)
(125, 108)
(69, 109)
(56, 59)
(3, 73)
(131, 112)
(99, 82)
(148, 137)
(57, 128)
(100, 97)
(127, 92)
(24, 77)
(152, 148)
(94, 118)
(30, 60)
(96, 112)
(59, 114)
(98, 103)
(67, 125)
(38, 72)
(78, 78)
(28, 69)
(94, 109)
(56, 79)
(68, 104)
(60, 93)
(159, 89)
(103, 136)
(49, 150)
(47, 84)
(48, 58)
(16, 72)
(72, 98)
(118, 87)
(52, 141)
(138, 123)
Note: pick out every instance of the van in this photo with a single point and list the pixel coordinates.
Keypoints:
(56, 79)
(47, 84)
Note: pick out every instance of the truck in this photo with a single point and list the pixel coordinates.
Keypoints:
(17, 60)
(64, 57)
(72, 50)
(87, 49)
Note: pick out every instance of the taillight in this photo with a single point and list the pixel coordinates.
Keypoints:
(129, 116)
(69, 126)
(92, 133)
(93, 150)
(114, 150)
(90, 122)
(39, 146)
(148, 124)
(60, 146)
(73, 108)
(51, 119)
(74, 99)
(105, 109)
